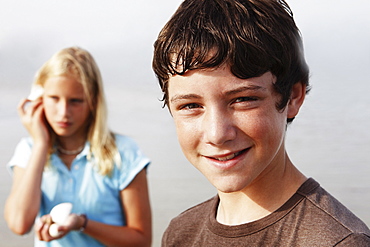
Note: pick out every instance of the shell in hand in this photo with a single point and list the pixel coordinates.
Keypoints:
(60, 212)
(53, 230)
(36, 92)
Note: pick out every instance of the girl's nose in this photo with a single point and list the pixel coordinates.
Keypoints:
(63, 108)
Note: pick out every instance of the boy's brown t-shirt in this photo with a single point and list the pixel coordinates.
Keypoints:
(311, 217)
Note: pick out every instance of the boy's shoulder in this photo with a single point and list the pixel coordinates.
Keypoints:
(319, 219)
(194, 218)
(320, 204)
(196, 214)
(310, 218)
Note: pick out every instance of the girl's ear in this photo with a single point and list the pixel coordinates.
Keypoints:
(296, 99)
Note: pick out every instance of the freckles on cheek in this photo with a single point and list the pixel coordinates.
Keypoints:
(264, 130)
(273, 132)
(185, 133)
(256, 127)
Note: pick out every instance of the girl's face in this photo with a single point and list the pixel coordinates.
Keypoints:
(66, 107)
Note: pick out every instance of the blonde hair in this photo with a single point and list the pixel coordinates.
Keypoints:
(79, 63)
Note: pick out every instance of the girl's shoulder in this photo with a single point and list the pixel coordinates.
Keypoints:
(124, 142)
(25, 143)
(129, 150)
(21, 153)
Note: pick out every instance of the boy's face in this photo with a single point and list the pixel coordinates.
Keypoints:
(229, 128)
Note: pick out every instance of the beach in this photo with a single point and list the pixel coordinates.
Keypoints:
(323, 142)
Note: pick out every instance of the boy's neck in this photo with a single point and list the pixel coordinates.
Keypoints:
(260, 199)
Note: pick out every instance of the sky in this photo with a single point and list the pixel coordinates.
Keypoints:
(120, 35)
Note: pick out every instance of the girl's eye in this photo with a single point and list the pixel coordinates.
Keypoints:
(76, 100)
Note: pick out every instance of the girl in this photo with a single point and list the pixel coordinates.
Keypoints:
(73, 157)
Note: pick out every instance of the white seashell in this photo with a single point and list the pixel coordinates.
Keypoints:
(60, 212)
(53, 230)
(36, 92)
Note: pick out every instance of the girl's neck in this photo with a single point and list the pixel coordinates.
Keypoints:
(69, 151)
(69, 148)
(66, 145)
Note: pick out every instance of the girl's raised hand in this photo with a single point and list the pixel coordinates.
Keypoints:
(32, 117)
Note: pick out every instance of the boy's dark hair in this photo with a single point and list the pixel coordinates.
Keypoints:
(250, 36)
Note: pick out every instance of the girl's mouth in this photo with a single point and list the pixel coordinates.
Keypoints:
(63, 124)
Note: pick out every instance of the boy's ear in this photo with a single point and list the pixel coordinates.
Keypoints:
(296, 99)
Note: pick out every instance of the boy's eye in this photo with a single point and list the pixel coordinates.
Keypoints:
(190, 106)
(244, 99)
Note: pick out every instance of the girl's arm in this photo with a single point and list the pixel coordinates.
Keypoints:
(137, 232)
(23, 202)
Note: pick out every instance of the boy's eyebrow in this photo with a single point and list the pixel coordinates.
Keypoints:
(246, 88)
(231, 92)
(184, 96)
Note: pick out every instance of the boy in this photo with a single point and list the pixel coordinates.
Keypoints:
(234, 76)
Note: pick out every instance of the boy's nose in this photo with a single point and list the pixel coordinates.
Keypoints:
(218, 127)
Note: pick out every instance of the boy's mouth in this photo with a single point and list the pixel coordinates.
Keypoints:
(228, 157)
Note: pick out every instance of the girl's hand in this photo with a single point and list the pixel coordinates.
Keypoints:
(33, 118)
(42, 227)
(73, 222)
